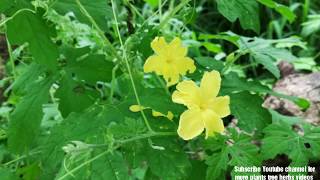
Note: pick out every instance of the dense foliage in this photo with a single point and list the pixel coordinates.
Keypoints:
(79, 104)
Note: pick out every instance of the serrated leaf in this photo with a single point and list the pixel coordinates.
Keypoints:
(238, 151)
(44, 51)
(247, 108)
(88, 127)
(283, 10)
(300, 145)
(25, 120)
(247, 11)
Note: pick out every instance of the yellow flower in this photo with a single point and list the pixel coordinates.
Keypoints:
(137, 108)
(205, 109)
(169, 60)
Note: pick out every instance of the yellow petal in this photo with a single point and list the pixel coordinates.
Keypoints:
(187, 93)
(210, 84)
(190, 124)
(184, 65)
(154, 63)
(177, 48)
(212, 123)
(136, 108)
(171, 75)
(159, 45)
(220, 105)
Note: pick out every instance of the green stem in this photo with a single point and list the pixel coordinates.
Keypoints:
(15, 14)
(143, 136)
(22, 157)
(129, 69)
(96, 26)
(163, 85)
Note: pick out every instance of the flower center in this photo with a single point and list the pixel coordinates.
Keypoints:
(169, 60)
(203, 106)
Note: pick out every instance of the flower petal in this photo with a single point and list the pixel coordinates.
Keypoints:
(210, 84)
(171, 75)
(184, 64)
(220, 105)
(176, 47)
(159, 45)
(212, 123)
(154, 63)
(190, 125)
(187, 93)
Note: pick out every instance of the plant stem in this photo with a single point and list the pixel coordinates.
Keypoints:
(124, 54)
(143, 136)
(15, 14)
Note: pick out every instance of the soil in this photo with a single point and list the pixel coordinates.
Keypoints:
(297, 84)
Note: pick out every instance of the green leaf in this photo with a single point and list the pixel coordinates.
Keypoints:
(7, 174)
(111, 166)
(215, 48)
(129, 128)
(74, 96)
(31, 28)
(88, 127)
(247, 108)
(5, 4)
(100, 11)
(30, 172)
(283, 10)
(28, 77)
(158, 160)
(267, 62)
(87, 66)
(236, 150)
(264, 53)
(210, 63)
(312, 25)
(278, 118)
(247, 11)
(165, 159)
(299, 144)
(25, 120)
